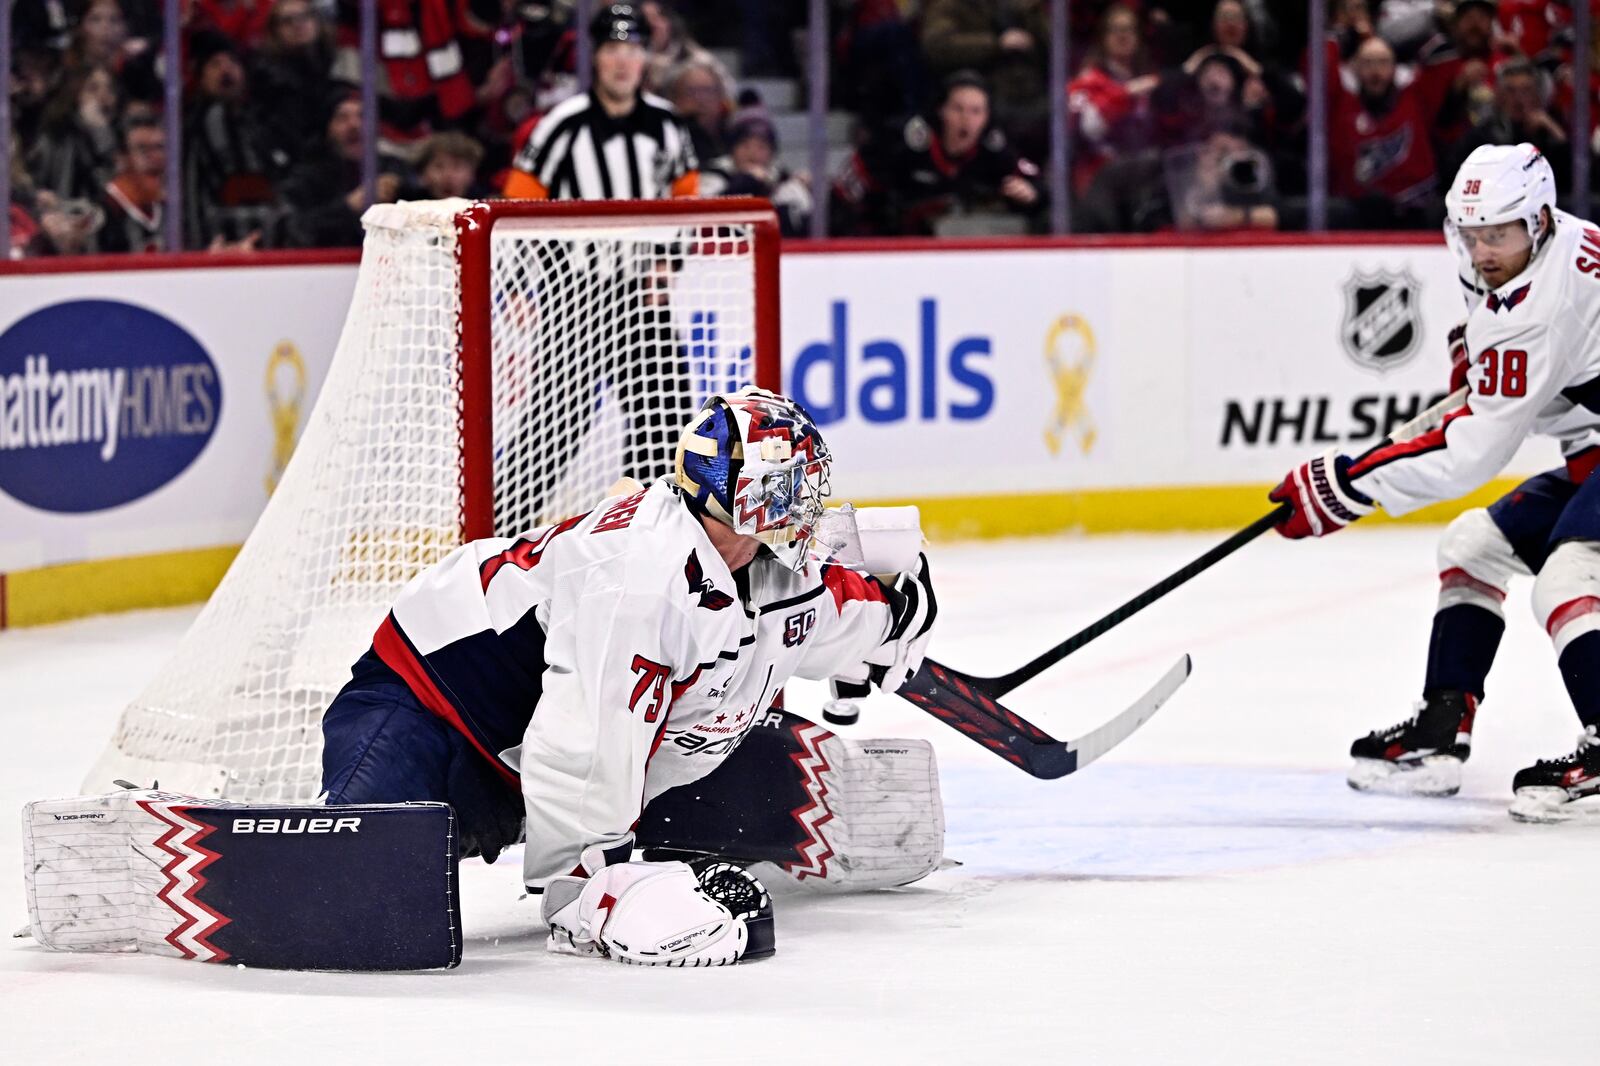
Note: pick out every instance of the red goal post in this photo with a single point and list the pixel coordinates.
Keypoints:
(733, 225)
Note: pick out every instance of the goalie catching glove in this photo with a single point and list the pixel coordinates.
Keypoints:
(661, 914)
(1320, 498)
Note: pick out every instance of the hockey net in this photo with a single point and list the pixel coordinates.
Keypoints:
(501, 366)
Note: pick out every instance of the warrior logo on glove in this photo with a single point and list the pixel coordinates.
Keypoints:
(1320, 498)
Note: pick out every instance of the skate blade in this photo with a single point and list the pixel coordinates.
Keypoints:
(1549, 806)
(1436, 775)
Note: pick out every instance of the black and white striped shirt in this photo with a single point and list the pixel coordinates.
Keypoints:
(579, 152)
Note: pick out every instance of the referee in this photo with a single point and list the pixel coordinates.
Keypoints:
(614, 142)
(609, 340)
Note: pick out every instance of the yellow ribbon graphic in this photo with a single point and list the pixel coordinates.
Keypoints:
(1069, 351)
(284, 399)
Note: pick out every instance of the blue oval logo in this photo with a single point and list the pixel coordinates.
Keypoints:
(101, 403)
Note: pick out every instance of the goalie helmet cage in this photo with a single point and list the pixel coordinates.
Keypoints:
(502, 364)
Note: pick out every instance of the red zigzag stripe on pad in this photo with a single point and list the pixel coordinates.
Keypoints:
(814, 851)
(184, 882)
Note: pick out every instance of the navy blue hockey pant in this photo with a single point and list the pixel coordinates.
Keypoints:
(1545, 510)
(1536, 517)
(381, 745)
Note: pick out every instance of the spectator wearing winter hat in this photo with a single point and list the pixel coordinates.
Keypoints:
(230, 164)
(324, 195)
(751, 168)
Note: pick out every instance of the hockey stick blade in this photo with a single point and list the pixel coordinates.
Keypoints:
(957, 700)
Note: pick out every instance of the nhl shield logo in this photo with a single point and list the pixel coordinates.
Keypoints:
(1381, 325)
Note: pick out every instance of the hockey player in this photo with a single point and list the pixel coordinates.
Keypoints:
(1528, 353)
(568, 677)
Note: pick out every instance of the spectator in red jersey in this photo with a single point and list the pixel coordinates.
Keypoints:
(1528, 26)
(1521, 114)
(1107, 99)
(244, 21)
(1380, 158)
(1562, 97)
(1455, 79)
(1349, 24)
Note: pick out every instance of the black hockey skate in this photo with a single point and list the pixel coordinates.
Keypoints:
(1560, 790)
(1421, 756)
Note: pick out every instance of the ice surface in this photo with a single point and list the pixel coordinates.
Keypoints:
(1210, 892)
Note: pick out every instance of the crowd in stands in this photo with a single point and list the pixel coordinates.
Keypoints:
(1182, 115)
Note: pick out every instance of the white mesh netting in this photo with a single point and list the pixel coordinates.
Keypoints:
(604, 340)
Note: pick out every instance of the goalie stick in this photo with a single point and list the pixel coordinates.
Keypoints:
(970, 704)
(963, 703)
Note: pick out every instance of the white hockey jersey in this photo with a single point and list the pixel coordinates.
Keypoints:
(603, 660)
(1535, 350)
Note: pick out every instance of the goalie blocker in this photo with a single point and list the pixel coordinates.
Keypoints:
(282, 887)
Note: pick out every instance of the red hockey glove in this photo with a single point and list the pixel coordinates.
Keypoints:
(1460, 362)
(1320, 498)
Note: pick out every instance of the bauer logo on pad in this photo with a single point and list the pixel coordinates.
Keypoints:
(101, 403)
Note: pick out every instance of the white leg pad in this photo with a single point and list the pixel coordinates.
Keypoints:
(1566, 596)
(1476, 563)
(878, 816)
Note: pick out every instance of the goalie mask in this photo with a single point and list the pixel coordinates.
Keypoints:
(755, 461)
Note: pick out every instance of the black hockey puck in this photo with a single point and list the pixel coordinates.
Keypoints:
(841, 712)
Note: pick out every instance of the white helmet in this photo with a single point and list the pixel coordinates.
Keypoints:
(1498, 183)
(1501, 183)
